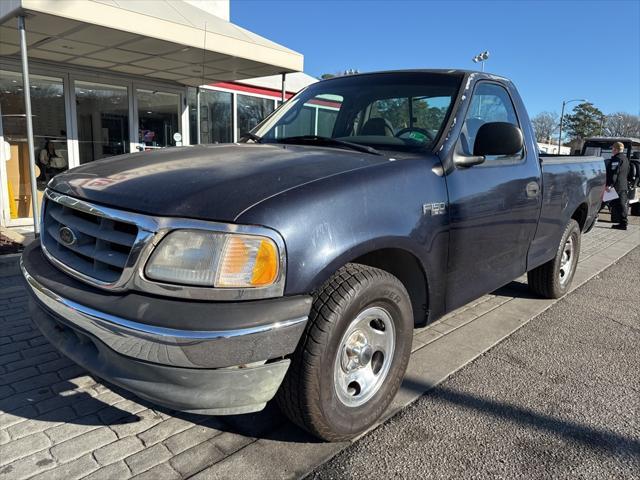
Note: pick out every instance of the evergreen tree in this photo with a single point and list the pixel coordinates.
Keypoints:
(586, 121)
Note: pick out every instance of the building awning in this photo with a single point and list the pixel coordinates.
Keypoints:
(167, 40)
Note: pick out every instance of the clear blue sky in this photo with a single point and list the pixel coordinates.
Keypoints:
(553, 50)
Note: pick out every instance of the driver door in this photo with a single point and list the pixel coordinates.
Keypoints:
(493, 207)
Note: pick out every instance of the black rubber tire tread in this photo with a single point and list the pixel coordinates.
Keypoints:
(543, 280)
(300, 383)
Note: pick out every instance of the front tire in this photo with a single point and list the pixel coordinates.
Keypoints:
(553, 279)
(353, 355)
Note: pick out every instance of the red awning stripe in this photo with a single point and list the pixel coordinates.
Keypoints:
(241, 88)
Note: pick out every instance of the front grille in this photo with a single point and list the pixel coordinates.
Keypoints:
(91, 244)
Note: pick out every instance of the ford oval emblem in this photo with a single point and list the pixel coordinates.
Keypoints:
(67, 236)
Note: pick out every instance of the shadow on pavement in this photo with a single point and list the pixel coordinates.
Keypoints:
(81, 408)
(64, 405)
(515, 289)
(594, 438)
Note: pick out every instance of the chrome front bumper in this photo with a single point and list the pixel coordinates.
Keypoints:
(217, 371)
(179, 348)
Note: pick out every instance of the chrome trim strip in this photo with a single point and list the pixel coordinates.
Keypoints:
(169, 346)
(151, 230)
(143, 222)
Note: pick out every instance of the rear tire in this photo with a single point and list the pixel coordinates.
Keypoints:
(353, 355)
(553, 279)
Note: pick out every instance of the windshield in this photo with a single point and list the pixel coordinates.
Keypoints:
(395, 111)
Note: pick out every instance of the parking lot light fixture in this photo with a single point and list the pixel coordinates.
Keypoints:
(481, 58)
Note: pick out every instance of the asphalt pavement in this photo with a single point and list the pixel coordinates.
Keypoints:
(560, 398)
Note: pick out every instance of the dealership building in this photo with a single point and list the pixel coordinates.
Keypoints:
(110, 77)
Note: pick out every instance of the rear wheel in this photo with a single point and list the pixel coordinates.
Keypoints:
(353, 355)
(553, 279)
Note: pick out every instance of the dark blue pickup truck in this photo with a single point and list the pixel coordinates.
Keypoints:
(296, 263)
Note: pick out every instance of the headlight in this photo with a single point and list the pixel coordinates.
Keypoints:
(213, 259)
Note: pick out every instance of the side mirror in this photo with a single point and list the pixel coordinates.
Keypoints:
(498, 138)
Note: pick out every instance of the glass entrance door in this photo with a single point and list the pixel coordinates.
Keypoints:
(50, 140)
(158, 119)
(103, 120)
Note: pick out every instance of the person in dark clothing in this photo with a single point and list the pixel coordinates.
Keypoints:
(51, 163)
(617, 172)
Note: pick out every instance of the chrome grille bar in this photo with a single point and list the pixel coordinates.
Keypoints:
(88, 243)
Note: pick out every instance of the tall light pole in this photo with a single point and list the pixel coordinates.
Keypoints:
(481, 58)
(564, 103)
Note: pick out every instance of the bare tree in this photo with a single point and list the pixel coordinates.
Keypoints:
(545, 124)
(622, 124)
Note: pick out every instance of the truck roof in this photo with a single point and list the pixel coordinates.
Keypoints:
(441, 71)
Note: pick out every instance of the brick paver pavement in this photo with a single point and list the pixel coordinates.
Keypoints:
(58, 422)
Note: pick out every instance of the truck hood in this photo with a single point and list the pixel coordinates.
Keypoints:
(210, 182)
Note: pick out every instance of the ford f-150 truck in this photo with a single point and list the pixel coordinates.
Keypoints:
(296, 263)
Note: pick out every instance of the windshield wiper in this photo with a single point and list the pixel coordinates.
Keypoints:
(329, 142)
(251, 136)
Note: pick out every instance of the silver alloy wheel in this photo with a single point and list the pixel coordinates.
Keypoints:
(566, 262)
(364, 356)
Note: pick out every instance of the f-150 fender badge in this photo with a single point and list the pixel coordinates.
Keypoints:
(437, 208)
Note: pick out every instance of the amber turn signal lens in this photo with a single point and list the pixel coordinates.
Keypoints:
(265, 268)
(248, 261)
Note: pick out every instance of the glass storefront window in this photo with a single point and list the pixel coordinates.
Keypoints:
(251, 111)
(304, 124)
(103, 120)
(215, 117)
(314, 118)
(158, 118)
(326, 120)
(50, 136)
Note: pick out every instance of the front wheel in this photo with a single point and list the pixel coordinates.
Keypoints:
(553, 279)
(353, 356)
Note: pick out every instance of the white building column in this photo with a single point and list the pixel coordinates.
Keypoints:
(27, 108)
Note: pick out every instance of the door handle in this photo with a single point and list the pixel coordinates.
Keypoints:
(533, 189)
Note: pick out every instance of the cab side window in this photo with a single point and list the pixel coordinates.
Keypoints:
(490, 103)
